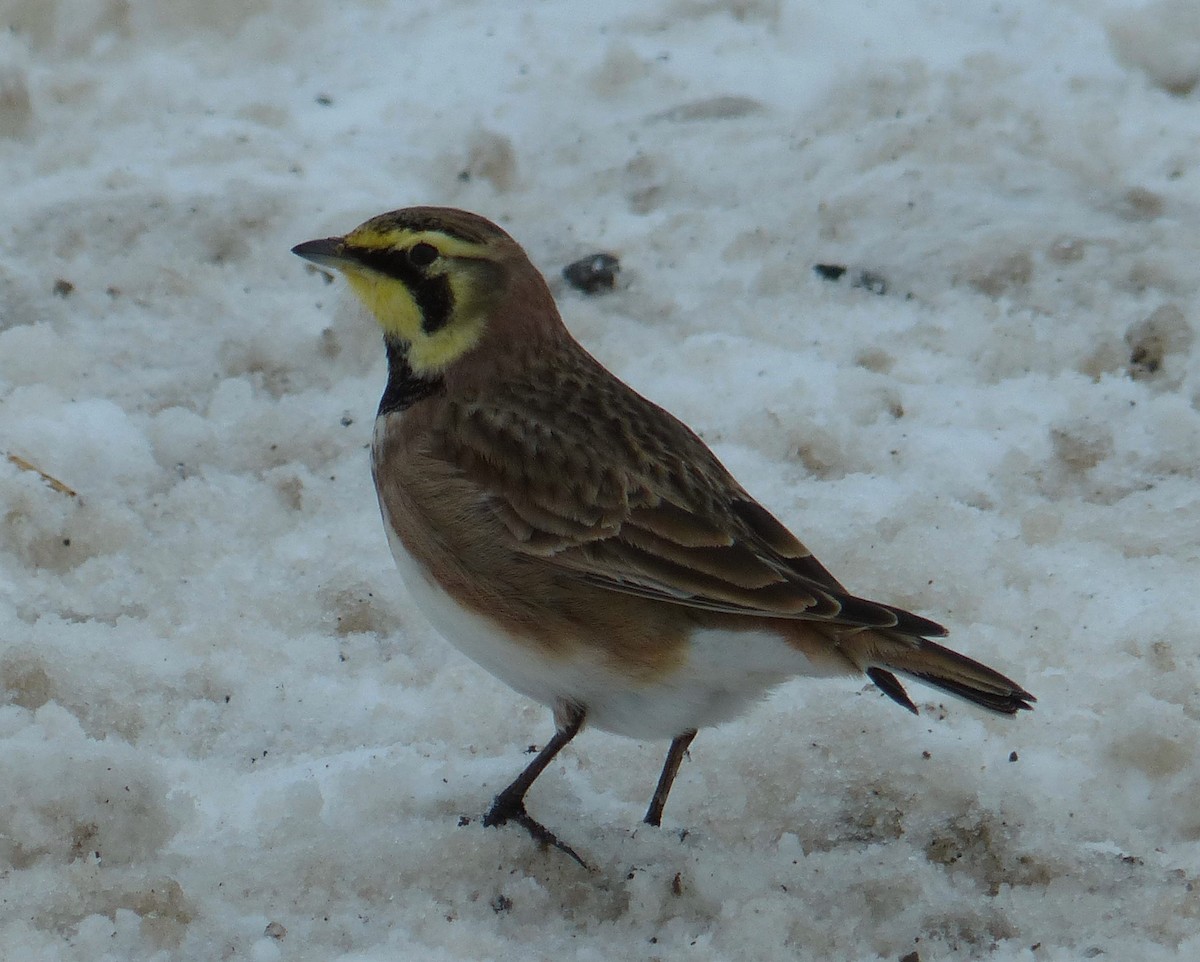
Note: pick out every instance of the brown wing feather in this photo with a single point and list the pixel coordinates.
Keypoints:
(599, 482)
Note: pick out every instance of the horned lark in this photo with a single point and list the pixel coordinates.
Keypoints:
(575, 539)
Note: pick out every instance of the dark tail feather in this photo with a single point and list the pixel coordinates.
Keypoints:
(942, 668)
(887, 683)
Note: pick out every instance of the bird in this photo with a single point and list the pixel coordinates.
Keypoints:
(577, 540)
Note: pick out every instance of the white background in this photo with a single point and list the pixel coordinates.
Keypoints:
(218, 709)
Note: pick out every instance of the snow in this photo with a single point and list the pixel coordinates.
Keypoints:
(224, 730)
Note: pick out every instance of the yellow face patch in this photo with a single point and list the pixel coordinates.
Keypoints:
(388, 299)
(466, 280)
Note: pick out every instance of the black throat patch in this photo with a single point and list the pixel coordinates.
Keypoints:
(404, 387)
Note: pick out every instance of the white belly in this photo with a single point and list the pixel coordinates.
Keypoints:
(723, 673)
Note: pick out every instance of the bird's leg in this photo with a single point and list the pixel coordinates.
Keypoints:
(678, 749)
(509, 805)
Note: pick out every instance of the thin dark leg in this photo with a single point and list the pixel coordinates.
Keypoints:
(509, 805)
(675, 755)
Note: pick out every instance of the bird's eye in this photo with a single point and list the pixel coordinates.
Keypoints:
(422, 254)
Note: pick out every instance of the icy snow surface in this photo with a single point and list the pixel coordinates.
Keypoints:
(224, 731)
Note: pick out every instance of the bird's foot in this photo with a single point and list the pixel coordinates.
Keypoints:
(506, 810)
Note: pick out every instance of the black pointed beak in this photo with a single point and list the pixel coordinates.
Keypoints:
(328, 252)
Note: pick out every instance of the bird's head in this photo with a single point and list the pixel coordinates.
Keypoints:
(435, 278)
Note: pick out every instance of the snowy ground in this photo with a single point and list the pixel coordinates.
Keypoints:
(224, 732)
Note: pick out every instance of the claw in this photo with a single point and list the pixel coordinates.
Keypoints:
(505, 810)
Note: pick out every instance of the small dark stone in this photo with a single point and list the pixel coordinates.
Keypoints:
(870, 281)
(830, 272)
(913, 956)
(324, 100)
(63, 288)
(463, 821)
(1012, 756)
(501, 903)
(1153, 340)
(593, 274)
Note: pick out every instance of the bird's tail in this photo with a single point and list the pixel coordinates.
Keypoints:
(880, 653)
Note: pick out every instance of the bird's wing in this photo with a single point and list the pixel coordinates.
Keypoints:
(620, 494)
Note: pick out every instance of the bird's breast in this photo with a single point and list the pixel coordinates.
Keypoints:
(639, 667)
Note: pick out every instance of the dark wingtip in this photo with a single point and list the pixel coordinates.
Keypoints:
(887, 683)
(1005, 703)
(860, 611)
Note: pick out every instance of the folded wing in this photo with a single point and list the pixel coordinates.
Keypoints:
(640, 505)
